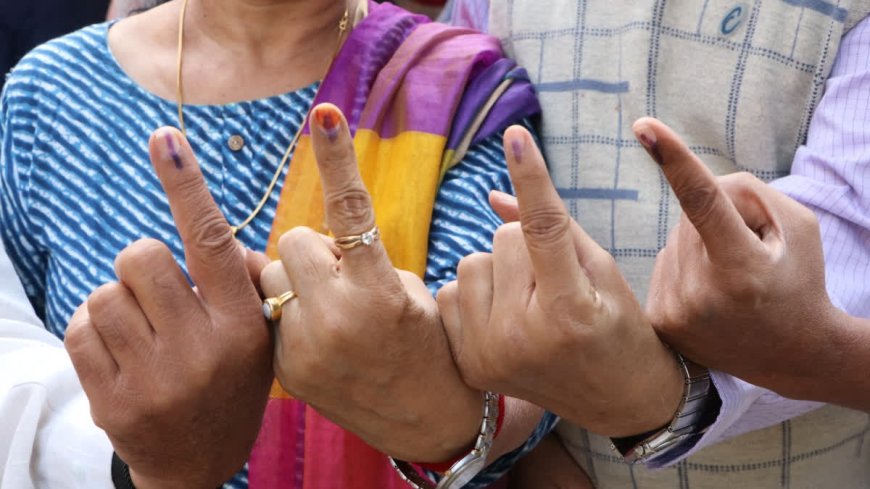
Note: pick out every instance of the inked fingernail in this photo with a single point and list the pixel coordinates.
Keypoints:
(327, 120)
(173, 148)
(649, 141)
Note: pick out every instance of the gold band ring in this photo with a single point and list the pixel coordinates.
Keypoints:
(365, 239)
(274, 306)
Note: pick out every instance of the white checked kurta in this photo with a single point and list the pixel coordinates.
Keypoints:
(739, 80)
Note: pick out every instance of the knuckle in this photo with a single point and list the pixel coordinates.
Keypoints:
(699, 202)
(105, 301)
(506, 234)
(142, 255)
(471, 264)
(211, 235)
(77, 338)
(739, 179)
(295, 238)
(351, 205)
(447, 295)
(545, 225)
(271, 277)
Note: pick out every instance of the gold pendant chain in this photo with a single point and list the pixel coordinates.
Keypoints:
(342, 29)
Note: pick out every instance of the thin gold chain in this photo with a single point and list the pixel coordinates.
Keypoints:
(179, 86)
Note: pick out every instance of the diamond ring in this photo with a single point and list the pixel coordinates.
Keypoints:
(365, 239)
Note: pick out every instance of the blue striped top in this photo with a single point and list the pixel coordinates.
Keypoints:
(78, 186)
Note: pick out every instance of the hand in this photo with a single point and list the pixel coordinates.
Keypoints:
(363, 343)
(178, 378)
(548, 317)
(740, 286)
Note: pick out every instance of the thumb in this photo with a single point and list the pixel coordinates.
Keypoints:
(505, 205)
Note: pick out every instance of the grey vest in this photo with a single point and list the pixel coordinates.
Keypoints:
(739, 81)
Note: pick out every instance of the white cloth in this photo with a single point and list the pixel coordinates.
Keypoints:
(47, 436)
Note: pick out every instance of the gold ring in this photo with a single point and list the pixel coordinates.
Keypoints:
(365, 239)
(273, 306)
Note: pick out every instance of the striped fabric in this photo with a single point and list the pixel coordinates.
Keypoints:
(77, 185)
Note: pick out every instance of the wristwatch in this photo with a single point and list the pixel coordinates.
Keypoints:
(697, 411)
(468, 466)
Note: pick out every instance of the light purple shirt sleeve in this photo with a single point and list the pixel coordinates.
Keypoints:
(831, 176)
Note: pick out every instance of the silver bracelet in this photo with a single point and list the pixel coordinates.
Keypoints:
(468, 466)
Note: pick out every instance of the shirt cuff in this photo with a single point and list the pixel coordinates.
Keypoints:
(745, 408)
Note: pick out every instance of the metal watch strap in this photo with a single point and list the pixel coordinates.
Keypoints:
(468, 466)
(693, 416)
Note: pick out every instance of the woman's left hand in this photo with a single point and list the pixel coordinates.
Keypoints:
(363, 342)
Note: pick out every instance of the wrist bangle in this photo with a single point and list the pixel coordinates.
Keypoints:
(121, 473)
(468, 466)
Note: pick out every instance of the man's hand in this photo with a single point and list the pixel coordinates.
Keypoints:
(177, 377)
(363, 343)
(740, 286)
(548, 317)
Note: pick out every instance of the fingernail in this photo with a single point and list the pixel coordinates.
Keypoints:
(649, 141)
(173, 148)
(327, 119)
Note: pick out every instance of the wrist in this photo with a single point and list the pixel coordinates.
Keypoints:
(840, 350)
(450, 432)
(465, 468)
(699, 407)
(442, 467)
(657, 398)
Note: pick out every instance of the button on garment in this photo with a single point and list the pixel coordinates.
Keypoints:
(236, 142)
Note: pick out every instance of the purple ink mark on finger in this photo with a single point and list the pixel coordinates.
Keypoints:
(174, 150)
(652, 147)
(517, 147)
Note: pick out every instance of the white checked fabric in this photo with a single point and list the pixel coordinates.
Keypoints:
(739, 80)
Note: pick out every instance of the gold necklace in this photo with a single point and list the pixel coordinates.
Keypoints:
(342, 29)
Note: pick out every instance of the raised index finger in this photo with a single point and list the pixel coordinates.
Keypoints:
(213, 258)
(705, 204)
(348, 206)
(548, 230)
